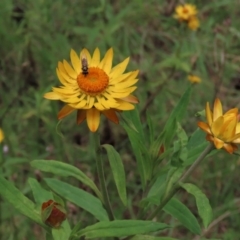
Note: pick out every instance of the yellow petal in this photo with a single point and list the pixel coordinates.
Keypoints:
(61, 68)
(218, 143)
(238, 128)
(217, 109)
(208, 114)
(95, 58)
(126, 84)
(1, 135)
(68, 79)
(236, 138)
(232, 111)
(229, 127)
(61, 79)
(111, 115)
(119, 69)
(106, 63)
(65, 111)
(120, 78)
(75, 61)
(125, 105)
(205, 127)
(64, 90)
(72, 73)
(79, 105)
(216, 127)
(81, 116)
(93, 119)
(52, 96)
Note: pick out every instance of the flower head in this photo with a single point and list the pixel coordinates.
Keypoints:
(222, 129)
(1, 135)
(194, 78)
(193, 23)
(92, 87)
(53, 213)
(185, 12)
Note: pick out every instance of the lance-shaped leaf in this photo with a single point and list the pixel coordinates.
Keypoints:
(65, 170)
(24, 205)
(120, 228)
(181, 212)
(79, 197)
(203, 205)
(118, 171)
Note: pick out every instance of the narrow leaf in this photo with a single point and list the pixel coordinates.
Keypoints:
(79, 197)
(65, 170)
(40, 194)
(203, 205)
(179, 211)
(118, 171)
(120, 228)
(63, 232)
(24, 205)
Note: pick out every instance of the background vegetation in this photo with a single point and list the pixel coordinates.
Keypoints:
(35, 35)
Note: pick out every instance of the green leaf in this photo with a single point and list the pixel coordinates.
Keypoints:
(118, 171)
(141, 154)
(24, 205)
(40, 194)
(173, 175)
(178, 210)
(120, 228)
(203, 205)
(79, 197)
(147, 237)
(65, 170)
(180, 110)
(62, 233)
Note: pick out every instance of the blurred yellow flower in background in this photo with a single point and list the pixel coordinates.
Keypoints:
(92, 86)
(222, 129)
(193, 23)
(187, 13)
(194, 78)
(1, 135)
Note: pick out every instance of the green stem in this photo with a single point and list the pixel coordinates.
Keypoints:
(176, 187)
(99, 162)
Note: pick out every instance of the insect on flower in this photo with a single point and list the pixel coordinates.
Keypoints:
(84, 65)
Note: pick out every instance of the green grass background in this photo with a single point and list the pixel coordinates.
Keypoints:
(35, 35)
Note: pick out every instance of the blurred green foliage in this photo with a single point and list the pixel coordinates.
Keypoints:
(35, 35)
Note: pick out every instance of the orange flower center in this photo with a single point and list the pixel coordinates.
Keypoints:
(185, 10)
(95, 82)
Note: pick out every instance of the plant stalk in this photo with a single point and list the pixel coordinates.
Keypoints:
(176, 187)
(101, 176)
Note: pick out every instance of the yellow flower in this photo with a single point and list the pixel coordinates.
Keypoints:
(194, 78)
(92, 86)
(1, 135)
(222, 129)
(185, 12)
(193, 23)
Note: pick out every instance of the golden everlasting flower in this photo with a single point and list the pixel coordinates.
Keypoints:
(193, 23)
(185, 12)
(194, 78)
(222, 129)
(92, 87)
(1, 135)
